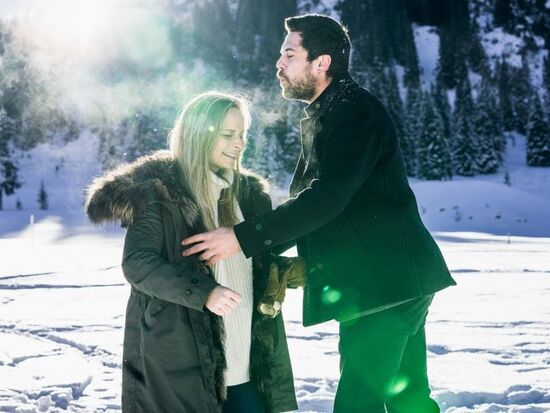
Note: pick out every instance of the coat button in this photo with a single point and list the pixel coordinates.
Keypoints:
(320, 266)
(317, 105)
(188, 292)
(259, 227)
(268, 242)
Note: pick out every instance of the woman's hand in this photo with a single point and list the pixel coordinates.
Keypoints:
(222, 300)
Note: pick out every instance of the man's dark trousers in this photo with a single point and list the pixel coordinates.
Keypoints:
(383, 362)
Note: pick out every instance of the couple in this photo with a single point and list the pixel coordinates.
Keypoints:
(199, 250)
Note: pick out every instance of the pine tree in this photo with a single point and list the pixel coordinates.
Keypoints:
(465, 145)
(411, 77)
(446, 60)
(442, 107)
(112, 144)
(392, 99)
(412, 129)
(507, 179)
(486, 126)
(434, 158)
(9, 179)
(504, 96)
(476, 53)
(145, 133)
(42, 197)
(214, 35)
(503, 15)
(521, 92)
(454, 38)
(546, 75)
(538, 136)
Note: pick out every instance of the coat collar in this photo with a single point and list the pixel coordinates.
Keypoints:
(320, 105)
(123, 193)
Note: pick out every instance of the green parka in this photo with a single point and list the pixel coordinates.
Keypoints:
(173, 357)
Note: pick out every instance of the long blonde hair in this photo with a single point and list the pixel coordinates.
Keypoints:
(191, 143)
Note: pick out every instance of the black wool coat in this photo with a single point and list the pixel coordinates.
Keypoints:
(352, 213)
(173, 356)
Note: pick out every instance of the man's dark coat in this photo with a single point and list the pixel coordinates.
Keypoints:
(173, 352)
(353, 214)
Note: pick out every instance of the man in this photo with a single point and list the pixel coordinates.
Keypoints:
(372, 265)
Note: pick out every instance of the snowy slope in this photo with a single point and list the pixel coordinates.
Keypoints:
(486, 204)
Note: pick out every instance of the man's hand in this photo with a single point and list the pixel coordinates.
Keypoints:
(222, 300)
(214, 246)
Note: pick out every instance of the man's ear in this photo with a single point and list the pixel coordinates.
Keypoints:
(323, 63)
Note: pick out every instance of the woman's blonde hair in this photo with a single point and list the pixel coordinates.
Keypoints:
(191, 142)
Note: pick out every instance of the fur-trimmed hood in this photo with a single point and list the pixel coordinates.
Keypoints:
(123, 193)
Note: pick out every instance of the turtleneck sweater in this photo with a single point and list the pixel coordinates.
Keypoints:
(234, 273)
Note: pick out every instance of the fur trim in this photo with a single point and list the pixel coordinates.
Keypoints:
(264, 333)
(123, 193)
(218, 337)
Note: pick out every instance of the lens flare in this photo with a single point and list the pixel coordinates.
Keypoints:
(399, 385)
(330, 295)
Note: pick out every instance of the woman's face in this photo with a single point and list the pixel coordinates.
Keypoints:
(229, 144)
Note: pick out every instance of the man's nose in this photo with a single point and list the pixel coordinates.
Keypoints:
(280, 63)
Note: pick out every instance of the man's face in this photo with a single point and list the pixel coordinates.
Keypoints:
(294, 72)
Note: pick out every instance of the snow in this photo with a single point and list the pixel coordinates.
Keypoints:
(497, 43)
(484, 204)
(63, 296)
(61, 330)
(427, 45)
(65, 168)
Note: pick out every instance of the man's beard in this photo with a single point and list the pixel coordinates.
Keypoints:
(302, 89)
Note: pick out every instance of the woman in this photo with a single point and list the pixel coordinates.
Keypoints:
(193, 340)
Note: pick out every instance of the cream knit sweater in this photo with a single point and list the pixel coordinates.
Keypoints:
(234, 273)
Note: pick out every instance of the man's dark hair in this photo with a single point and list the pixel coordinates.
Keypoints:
(323, 35)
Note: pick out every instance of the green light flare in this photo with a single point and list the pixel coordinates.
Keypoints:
(330, 295)
(399, 385)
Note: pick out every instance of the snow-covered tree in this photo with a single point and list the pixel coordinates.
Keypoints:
(454, 43)
(476, 53)
(486, 122)
(145, 132)
(521, 91)
(9, 179)
(413, 108)
(465, 148)
(42, 197)
(392, 99)
(546, 75)
(538, 135)
(504, 96)
(432, 150)
(442, 107)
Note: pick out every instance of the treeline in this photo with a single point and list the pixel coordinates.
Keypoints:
(451, 127)
(454, 126)
(29, 114)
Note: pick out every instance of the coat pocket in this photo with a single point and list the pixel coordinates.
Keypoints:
(153, 308)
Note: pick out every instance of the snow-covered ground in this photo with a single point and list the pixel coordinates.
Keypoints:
(62, 299)
(62, 296)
